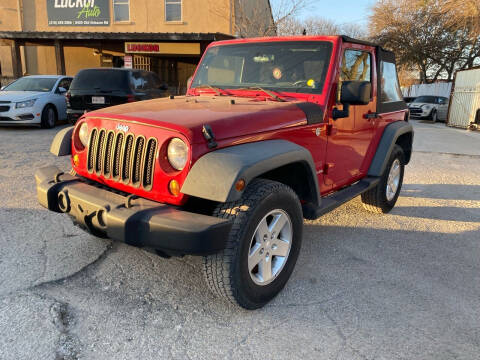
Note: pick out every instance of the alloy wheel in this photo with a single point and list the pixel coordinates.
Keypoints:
(270, 247)
(393, 180)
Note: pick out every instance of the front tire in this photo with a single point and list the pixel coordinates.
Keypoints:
(49, 117)
(262, 247)
(382, 198)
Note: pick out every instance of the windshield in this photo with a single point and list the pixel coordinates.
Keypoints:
(425, 99)
(99, 79)
(32, 84)
(289, 66)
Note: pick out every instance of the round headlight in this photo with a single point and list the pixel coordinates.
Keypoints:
(177, 153)
(83, 134)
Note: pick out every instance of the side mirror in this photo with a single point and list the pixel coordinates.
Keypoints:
(61, 90)
(353, 93)
(356, 92)
(3, 87)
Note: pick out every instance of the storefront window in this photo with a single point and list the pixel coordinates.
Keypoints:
(121, 10)
(173, 10)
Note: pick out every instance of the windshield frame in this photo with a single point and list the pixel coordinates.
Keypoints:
(282, 91)
(55, 80)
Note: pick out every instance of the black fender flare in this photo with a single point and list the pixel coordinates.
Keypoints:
(213, 176)
(62, 142)
(390, 137)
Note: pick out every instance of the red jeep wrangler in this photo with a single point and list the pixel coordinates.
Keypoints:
(271, 131)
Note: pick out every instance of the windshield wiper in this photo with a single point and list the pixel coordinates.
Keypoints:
(218, 90)
(268, 92)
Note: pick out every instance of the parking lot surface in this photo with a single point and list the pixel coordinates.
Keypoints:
(405, 285)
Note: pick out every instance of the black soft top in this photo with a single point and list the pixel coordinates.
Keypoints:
(382, 56)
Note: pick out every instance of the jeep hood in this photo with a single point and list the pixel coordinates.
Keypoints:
(228, 116)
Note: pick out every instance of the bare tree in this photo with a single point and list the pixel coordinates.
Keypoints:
(320, 26)
(462, 13)
(354, 30)
(259, 18)
(424, 38)
(312, 26)
(282, 10)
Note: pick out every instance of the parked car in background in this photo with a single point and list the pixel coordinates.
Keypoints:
(38, 99)
(429, 107)
(94, 89)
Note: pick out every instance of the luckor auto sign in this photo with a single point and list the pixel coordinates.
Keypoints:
(78, 12)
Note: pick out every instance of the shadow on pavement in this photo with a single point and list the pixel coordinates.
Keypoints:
(448, 213)
(442, 191)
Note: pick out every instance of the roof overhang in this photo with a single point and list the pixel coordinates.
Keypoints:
(124, 36)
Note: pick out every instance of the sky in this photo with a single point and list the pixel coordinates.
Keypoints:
(339, 11)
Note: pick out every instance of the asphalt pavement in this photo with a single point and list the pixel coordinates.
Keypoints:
(405, 285)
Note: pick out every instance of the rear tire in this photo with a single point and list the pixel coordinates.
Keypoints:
(382, 198)
(258, 260)
(49, 117)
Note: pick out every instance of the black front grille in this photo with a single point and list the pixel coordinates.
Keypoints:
(107, 164)
(117, 152)
(149, 161)
(137, 160)
(124, 158)
(127, 157)
(415, 111)
(92, 146)
(99, 153)
(4, 118)
(4, 108)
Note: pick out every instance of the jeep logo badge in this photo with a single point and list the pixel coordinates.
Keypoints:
(122, 127)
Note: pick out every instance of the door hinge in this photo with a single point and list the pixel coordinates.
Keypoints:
(327, 166)
(328, 129)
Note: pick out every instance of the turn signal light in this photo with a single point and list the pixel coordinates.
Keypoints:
(240, 185)
(76, 160)
(174, 187)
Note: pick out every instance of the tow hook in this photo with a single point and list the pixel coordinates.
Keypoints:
(64, 201)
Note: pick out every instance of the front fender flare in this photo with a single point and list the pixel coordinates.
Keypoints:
(389, 138)
(214, 175)
(62, 143)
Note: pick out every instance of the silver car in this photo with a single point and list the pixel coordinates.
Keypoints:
(37, 99)
(434, 108)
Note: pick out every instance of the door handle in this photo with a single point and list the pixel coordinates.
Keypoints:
(373, 115)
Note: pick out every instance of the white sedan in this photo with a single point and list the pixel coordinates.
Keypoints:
(37, 99)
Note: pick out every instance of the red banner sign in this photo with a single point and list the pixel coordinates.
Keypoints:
(142, 48)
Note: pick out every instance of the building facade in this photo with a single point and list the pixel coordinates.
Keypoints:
(164, 36)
